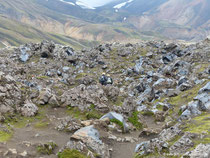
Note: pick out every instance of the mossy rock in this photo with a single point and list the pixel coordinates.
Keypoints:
(68, 153)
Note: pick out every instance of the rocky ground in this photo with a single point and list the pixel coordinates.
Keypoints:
(52, 104)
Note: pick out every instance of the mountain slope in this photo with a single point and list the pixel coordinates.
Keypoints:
(114, 20)
(176, 19)
(15, 33)
(179, 19)
(55, 16)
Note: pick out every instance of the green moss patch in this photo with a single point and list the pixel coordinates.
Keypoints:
(19, 121)
(147, 113)
(199, 124)
(5, 136)
(186, 96)
(84, 115)
(42, 77)
(81, 75)
(41, 124)
(119, 101)
(68, 153)
(117, 122)
(135, 120)
(182, 99)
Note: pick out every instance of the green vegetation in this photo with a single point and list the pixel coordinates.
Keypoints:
(135, 120)
(47, 148)
(199, 124)
(17, 121)
(42, 77)
(85, 115)
(119, 101)
(147, 113)
(5, 135)
(183, 98)
(81, 75)
(15, 33)
(68, 153)
(41, 124)
(202, 67)
(117, 122)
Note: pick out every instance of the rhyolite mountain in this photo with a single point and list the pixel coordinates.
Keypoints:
(177, 19)
(90, 21)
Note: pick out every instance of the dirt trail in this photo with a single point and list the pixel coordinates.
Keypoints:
(32, 135)
(126, 150)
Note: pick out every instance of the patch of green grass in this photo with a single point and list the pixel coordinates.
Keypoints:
(19, 121)
(5, 136)
(199, 124)
(117, 122)
(147, 113)
(46, 149)
(159, 107)
(205, 140)
(76, 113)
(182, 99)
(42, 77)
(119, 101)
(203, 67)
(185, 97)
(68, 153)
(81, 75)
(84, 115)
(93, 115)
(135, 120)
(41, 124)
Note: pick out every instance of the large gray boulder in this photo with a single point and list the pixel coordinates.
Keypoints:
(119, 117)
(89, 138)
(29, 109)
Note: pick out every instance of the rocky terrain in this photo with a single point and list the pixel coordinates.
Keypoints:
(53, 105)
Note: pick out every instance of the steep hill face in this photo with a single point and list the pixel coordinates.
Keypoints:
(14, 33)
(177, 19)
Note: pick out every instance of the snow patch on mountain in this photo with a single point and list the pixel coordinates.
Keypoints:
(118, 6)
(84, 5)
(71, 3)
(92, 4)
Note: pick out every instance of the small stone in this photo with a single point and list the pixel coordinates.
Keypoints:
(24, 154)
